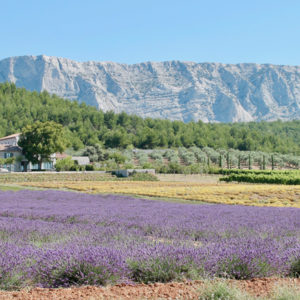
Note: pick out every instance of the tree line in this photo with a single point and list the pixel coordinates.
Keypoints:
(85, 125)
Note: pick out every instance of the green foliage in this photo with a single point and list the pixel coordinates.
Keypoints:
(289, 178)
(142, 158)
(286, 292)
(222, 291)
(65, 164)
(89, 168)
(7, 161)
(295, 268)
(160, 270)
(253, 172)
(40, 140)
(96, 153)
(135, 176)
(78, 273)
(175, 168)
(187, 156)
(85, 125)
(118, 158)
(236, 268)
(13, 281)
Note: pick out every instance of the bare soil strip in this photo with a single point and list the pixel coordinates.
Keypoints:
(175, 290)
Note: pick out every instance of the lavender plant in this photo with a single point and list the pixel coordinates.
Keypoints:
(55, 238)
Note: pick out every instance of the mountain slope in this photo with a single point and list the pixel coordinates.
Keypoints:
(173, 90)
(85, 125)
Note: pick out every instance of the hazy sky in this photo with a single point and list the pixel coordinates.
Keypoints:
(131, 31)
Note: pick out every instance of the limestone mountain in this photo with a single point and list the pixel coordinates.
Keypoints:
(175, 90)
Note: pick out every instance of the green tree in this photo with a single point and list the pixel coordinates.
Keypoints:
(39, 140)
(65, 164)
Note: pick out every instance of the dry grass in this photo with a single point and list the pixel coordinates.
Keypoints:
(245, 194)
(199, 178)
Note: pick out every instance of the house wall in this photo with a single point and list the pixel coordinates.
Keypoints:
(16, 166)
(45, 166)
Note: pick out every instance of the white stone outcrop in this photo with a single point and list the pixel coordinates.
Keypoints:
(175, 90)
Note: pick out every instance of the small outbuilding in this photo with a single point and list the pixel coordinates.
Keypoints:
(128, 172)
(81, 160)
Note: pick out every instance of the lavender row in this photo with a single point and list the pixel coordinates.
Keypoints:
(54, 238)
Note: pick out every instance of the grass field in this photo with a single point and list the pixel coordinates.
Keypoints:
(198, 178)
(53, 176)
(244, 194)
(9, 188)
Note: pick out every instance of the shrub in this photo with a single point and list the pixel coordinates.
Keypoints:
(117, 157)
(142, 177)
(238, 268)
(155, 154)
(162, 169)
(160, 270)
(95, 266)
(196, 169)
(96, 153)
(295, 268)
(142, 157)
(78, 274)
(89, 168)
(10, 280)
(274, 178)
(221, 291)
(147, 165)
(175, 168)
(128, 166)
(65, 164)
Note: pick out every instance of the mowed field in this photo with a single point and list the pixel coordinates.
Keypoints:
(206, 189)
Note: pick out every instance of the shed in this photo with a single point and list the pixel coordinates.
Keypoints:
(81, 160)
(128, 172)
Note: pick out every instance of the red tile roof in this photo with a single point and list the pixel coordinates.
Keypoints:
(61, 155)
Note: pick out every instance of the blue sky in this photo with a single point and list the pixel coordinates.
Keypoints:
(132, 31)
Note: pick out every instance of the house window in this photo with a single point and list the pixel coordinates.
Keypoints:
(48, 165)
(45, 166)
(7, 155)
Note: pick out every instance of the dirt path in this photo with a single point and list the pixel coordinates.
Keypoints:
(182, 290)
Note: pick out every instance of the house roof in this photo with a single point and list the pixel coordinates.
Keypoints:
(10, 148)
(61, 155)
(10, 136)
(82, 160)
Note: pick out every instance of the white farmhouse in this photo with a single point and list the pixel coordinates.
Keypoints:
(9, 148)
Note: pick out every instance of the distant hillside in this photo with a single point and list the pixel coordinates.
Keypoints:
(86, 125)
(173, 90)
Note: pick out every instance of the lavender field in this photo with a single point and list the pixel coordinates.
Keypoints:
(54, 238)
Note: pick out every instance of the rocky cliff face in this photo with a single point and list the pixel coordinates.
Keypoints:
(173, 90)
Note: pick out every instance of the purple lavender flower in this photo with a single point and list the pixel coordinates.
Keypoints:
(54, 238)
